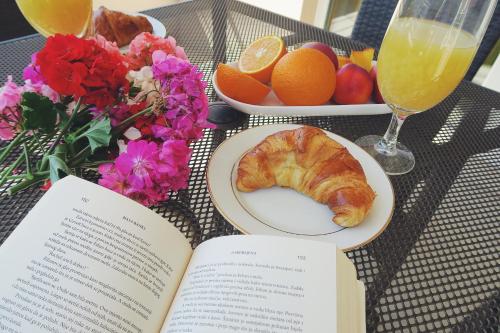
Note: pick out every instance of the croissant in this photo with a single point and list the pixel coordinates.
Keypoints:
(308, 161)
(119, 27)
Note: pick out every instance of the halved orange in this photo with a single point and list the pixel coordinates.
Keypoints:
(239, 86)
(259, 58)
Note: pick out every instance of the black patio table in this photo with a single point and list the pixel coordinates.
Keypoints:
(436, 266)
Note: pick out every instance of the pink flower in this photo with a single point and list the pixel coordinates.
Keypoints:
(32, 72)
(112, 178)
(173, 161)
(147, 172)
(183, 92)
(10, 94)
(34, 81)
(110, 47)
(10, 114)
(140, 162)
(41, 89)
(143, 45)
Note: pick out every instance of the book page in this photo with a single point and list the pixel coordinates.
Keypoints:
(254, 284)
(86, 259)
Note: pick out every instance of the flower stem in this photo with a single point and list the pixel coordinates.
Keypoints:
(23, 175)
(6, 174)
(79, 131)
(29, 173)
(62, 132)
(65, 128)
(37, 177)
(127, 121)
(78, 158)
(38, 143)
(94, 164)
(8, 171)
(13, 144)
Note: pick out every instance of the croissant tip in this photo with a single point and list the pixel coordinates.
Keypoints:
(345, 220)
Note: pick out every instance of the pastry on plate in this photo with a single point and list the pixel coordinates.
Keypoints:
(119, 27)
(308, 161)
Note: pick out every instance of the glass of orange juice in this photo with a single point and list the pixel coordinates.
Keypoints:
(426, 51)
(49, 17)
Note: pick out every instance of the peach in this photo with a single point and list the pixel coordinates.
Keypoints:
(354, 85)
(377, 96)
(325, 49)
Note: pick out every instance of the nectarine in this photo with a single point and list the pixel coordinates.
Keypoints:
(377, 96)
(326, 49)
(354, 85)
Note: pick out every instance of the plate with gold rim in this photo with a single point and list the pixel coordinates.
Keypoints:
(285, 212)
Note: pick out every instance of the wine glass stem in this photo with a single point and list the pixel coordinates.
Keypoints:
(387, 145)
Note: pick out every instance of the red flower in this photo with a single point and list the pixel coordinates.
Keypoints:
(66, 78)
(81, 68)
(46, 185)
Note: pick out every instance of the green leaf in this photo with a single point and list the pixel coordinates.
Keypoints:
(133, 91)
(99, 133)
(39, 113)
(55, 166)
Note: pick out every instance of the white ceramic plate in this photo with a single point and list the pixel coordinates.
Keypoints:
(281, 211)
(158, 28)
(272, 106)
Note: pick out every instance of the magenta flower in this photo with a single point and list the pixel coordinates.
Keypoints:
(34, 81)
(183, 92)
(139, 162)
(10, 114)
(32, 72)
(173, 161)
(112, 178)
(147, 172)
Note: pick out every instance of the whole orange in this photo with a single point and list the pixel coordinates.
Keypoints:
(304, 77)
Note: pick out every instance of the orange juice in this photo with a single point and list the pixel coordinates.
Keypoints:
(57, 16)
(421, 62)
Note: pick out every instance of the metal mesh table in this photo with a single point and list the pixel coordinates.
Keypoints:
(436, 267)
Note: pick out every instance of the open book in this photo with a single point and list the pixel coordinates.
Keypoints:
(86, 259)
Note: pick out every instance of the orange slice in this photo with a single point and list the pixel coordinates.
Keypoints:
(259, 58)
(363, 58)
(343, 61)
(239, 86)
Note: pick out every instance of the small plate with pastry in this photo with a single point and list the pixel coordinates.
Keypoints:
(122, 28)
(300, 181)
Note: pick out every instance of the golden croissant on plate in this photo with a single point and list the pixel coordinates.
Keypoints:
(308, 161)
(119, 27)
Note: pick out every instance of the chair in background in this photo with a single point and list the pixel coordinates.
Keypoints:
(13, 22)
(374, 17)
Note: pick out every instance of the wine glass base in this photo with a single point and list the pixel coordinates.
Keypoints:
(398, 163)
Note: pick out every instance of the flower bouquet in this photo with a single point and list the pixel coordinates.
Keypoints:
(85, 105)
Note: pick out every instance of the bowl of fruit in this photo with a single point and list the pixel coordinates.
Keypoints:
(312, 80)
